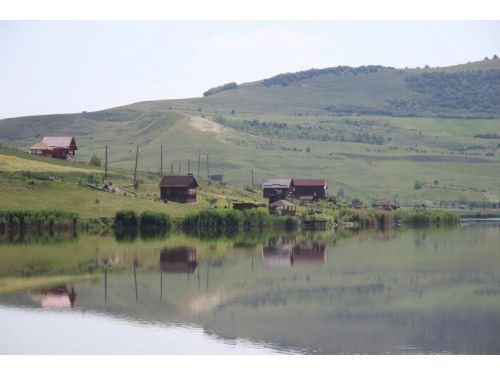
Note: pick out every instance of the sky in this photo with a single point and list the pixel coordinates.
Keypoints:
(74, 66)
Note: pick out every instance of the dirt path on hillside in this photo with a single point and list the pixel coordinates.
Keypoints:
(206, 125)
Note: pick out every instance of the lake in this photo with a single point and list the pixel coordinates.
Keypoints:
(402, 291)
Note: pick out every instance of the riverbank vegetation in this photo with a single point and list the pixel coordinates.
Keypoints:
(28, 220)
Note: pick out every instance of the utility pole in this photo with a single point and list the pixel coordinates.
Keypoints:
(199, 162)
(161, 160)
(135, 169)
(106, 164)
(252, 178)
(171, 169)
(189, 166)
(179, 167)
(208, 170)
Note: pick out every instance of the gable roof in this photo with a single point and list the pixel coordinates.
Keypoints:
(309, 182)
(178, 181)
(58, 142)
(276, 183)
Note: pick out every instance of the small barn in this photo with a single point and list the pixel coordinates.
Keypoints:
(56, 147)
(278, 188)
(309, 189)
(282, 207)
(178, 188)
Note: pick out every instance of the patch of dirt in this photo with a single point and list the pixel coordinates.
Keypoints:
(206, 125)
(420, 158)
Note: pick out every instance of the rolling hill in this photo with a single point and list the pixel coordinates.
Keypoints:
(373, 132)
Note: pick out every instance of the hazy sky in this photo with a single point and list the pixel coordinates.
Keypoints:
(54, 67)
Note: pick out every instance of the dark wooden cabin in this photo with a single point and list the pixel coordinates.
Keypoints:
(56, 147)
(309, 189)
(277, 188)
(178, 260)
(178, 188)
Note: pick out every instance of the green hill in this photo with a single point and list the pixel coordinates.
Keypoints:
(373, 132)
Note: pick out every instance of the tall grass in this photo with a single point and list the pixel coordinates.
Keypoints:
(29, 220)
(227, 222)
(427, 217)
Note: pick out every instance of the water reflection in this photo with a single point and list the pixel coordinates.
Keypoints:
(178, 260)
(286, 251)
(57, 297)
(403, 291)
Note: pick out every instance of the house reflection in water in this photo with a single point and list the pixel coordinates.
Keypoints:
(309, 252)
(178, 260)
(59, 297)
(286, 251)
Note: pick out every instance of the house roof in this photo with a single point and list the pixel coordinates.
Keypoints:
(58, 142)
(281, 203)
(309, 182)
(178, 181)
(41, 146)
(276, 183)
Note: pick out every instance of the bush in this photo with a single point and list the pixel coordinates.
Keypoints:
(95, 161)
(126, 218)
(230, 222)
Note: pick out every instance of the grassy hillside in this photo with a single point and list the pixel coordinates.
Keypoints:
(37, 183)
(372, 132)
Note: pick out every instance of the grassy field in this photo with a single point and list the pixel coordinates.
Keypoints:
(315, 143)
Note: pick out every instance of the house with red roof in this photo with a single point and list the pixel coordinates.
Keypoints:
(55, 147)
(309, 189)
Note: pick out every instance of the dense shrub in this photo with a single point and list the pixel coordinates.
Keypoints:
(126, 218)
(150, 219)
(227, 222)
(215, 90)
(289, 78)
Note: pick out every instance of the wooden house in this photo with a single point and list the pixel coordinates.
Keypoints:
(178, 260)
(178, 188)
(56, 147)
(277, 188)
(308, 189)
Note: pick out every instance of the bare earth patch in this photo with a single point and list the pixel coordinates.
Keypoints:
(206, 125)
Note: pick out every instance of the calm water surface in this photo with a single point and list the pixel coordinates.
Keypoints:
(405, 291)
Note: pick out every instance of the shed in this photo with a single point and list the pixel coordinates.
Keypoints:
(315, 188)
(276, 187)
(178, 188)
(282, 206)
